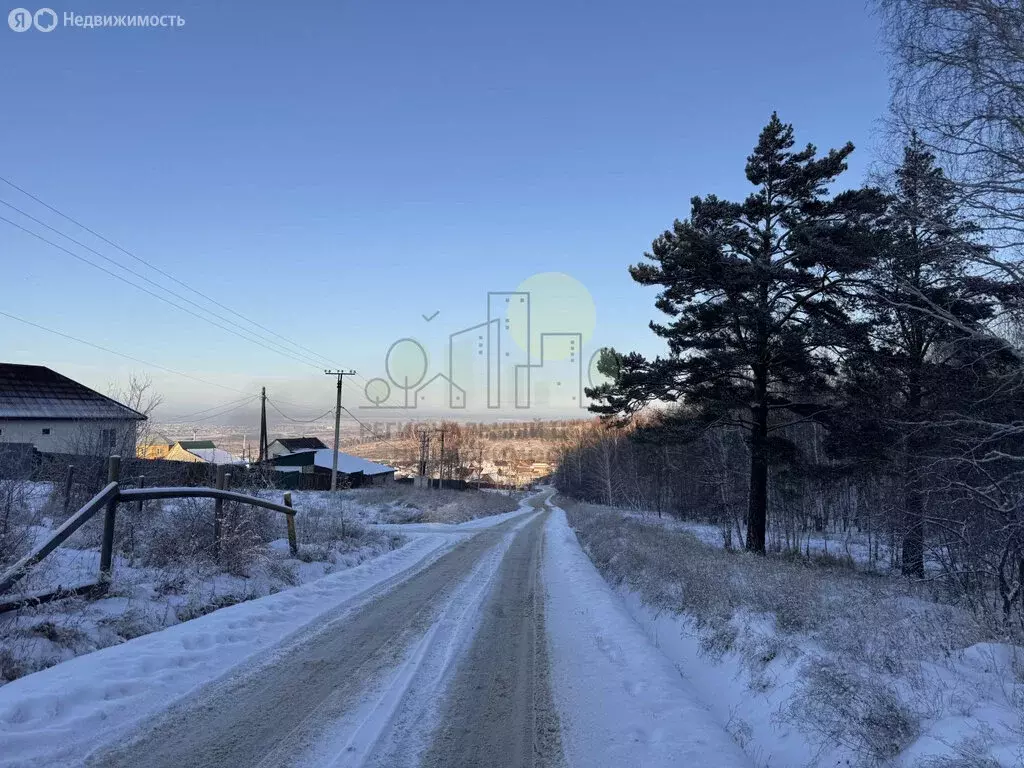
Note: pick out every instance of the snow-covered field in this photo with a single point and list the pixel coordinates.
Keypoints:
(165, 572)
(661, 650)
(815, 666)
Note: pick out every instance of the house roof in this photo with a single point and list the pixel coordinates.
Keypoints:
(301, 443)
(208, 452)
(188, 445)
(36, 392)
(324, 458)
(215, 456)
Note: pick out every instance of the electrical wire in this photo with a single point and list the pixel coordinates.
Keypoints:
(120, 354)
(222, 410)
(229, 410)
(156, 269)
(259, 340)
(368, 429)
(215, 408)
(151, 293)
(298, 421)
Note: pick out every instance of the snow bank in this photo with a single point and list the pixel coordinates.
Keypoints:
(471, 525)
(621, 701)
(58, 715)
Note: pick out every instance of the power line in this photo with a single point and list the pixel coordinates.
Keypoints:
(151, 293)
(215, 407)
(382, 439)
(288, 403)
(260, 340)
(231, 408)
(156, 269)
(120, 354)
(299, 421)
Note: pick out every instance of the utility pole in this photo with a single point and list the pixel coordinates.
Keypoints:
(424, 451)
(263, 424)
(337, 425)
(440, 469)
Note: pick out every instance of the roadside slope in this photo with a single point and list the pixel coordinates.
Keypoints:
(621, 701)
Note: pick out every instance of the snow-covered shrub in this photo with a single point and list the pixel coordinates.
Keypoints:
(328, 531)
(855, 710)
(245, 533)
(11, 666)
(17, 516)
(176, 531)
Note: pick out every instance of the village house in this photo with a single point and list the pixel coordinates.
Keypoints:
(312, 469)
(55, 414)
(204, 451)
(286, 445)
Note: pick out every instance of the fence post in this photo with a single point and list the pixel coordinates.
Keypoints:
(218, 509)
(68, 485)
(293, 539)
(142, 484)
(107, 548)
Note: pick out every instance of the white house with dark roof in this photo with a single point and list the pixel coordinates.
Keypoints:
(286, 445)
(56, 414)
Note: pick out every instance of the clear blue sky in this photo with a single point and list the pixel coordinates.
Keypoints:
(337, 169)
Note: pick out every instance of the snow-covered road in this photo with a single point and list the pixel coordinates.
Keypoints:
(476, 645)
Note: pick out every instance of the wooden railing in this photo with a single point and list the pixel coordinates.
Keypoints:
(108, 499)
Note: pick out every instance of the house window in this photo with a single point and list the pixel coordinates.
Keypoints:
(46, 430)
(108, 438)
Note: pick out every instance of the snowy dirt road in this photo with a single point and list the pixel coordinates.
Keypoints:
(506, 650)
(283, 711)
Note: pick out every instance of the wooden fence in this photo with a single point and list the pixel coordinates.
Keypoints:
(108, 500)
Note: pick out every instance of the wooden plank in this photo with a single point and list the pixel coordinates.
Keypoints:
(150, 494)
(72, 524)
(107, 545)
(293, 539)
(88, 590)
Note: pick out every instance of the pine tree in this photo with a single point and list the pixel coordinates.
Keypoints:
(922, 303)
(755, 292)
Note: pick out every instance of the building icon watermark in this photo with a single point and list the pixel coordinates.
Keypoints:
(526, 351)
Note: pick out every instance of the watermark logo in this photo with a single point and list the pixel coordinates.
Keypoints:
(528, 350)
(47, 20)
(20, 19)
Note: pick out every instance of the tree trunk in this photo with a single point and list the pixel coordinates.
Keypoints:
(913, 499)
(913, 524)
(757, 511)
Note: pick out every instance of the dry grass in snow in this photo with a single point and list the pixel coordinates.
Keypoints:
(867, 668)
